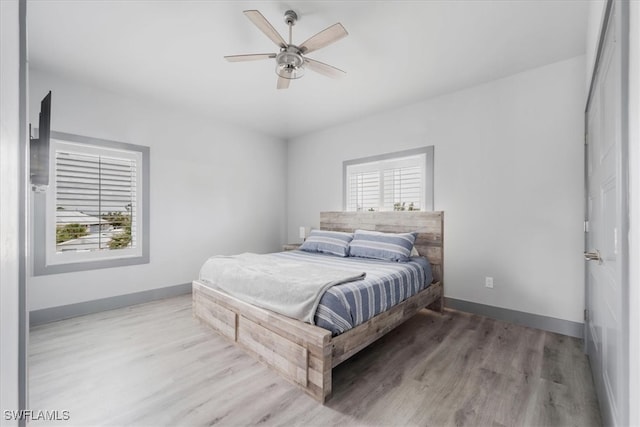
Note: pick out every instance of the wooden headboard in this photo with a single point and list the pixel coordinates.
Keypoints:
(429, 225)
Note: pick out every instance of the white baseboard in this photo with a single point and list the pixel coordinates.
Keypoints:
(47, 315)
(551, 324)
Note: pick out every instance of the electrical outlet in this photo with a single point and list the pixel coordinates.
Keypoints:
(488, 282)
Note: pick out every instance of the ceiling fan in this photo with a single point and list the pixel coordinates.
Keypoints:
(291, 61)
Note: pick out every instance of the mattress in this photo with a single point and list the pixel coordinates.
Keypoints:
(386, 284)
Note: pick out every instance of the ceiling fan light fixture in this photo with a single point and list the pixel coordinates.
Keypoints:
(288, 72)
(289, 63)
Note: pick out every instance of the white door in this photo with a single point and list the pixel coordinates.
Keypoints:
(605, 251)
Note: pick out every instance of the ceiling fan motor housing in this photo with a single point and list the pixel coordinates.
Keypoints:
(290, 17)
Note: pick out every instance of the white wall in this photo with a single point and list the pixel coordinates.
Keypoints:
(595, 17)
(215, 188)
(9, 206)
(508, 174)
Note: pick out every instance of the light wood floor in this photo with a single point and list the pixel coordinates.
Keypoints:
(153, 364)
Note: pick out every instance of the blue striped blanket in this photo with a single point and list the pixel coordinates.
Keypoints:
(386, 284)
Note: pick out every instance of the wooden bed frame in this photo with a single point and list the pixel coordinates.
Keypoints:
(305, 354)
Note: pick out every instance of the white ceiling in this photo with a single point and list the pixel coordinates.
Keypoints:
(397, 52)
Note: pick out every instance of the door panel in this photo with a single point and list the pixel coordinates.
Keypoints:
(604, 324)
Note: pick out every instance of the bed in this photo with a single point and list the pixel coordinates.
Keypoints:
(305, 354)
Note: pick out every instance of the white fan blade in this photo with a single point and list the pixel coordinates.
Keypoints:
(263, 25)
(322, 68)
(249, 57)
(324, 38)
(283, 83)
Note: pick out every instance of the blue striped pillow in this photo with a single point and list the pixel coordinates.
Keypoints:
(328, 242)
(385, 246)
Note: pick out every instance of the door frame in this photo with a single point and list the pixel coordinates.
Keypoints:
(622, 16)
(634, 210)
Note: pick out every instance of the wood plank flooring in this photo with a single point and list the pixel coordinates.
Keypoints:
(153, 365)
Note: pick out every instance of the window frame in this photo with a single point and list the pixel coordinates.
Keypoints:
(46, 259)
(398, 155)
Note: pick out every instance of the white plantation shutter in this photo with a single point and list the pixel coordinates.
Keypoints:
(386, 185)
(403, 188)
(364, 189)
(96, 201)
(95, 211)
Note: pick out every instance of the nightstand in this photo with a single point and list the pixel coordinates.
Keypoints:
(291, 246)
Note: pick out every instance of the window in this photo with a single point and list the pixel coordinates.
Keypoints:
(401, 181)
(94, 214)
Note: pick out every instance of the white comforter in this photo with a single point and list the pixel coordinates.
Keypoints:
(287, 287)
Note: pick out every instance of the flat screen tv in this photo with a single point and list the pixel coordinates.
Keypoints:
(39, 147)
